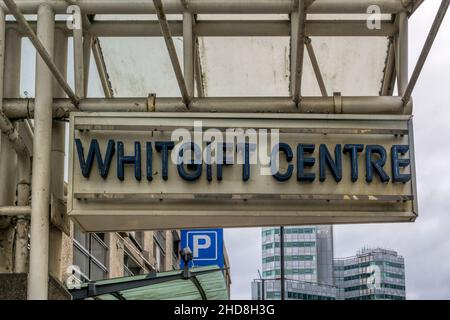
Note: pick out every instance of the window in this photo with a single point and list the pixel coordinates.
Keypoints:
(130, 266)
(175, 250)
(159, 250)
(90, 254)
(290, 244)
(289, 258)
(270, 232)
(139, 237)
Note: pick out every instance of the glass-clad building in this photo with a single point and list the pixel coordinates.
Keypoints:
(373, 274)
(312, 273)
(308, 256)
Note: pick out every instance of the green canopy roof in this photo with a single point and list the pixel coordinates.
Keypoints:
(206, 283)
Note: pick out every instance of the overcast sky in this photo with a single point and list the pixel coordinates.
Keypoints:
(425, 244)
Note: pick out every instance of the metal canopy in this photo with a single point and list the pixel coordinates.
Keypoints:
(254, 65)
(205, 283)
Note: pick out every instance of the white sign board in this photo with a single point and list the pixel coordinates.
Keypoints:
(129, 171)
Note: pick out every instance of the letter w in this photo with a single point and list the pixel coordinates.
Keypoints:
(94, 152)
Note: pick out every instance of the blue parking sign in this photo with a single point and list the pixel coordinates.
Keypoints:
(206, 246)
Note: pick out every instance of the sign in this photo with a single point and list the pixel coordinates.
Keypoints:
(206, 246)
(144, 171)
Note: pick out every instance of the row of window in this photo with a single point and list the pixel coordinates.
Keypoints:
(357, 276)
(392, 286)
(370, 263)
(378, 297)
(356, 288)
(288, 272)
(303, 296)
(297, 296)
(270, 232)
(90, 252)
(383, 285)
(290, 258)
(393, 275)
(290, 244)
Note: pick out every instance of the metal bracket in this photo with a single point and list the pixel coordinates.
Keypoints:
(338, 105)
(151, 102)
(58, 215)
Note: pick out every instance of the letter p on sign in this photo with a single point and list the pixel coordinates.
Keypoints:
(200, 241)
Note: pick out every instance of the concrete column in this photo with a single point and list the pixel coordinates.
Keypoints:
(57, 159)
(10, 50)
(38, 277)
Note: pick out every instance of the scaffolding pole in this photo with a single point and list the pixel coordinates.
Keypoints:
(216, 6)
(298, 48)
(38, 276)
(10, 44)
(316, 68)
(25, 108)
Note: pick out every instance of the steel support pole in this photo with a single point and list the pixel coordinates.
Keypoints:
(282, 276)
(23, 108)
(316, 68)
(402, 53)
(198, 70)
(101, 68)
(426, 49)
(172, 52)
(188, 52)
(387, 86)
(57, 155)
(38, 277)
(21, 253)
(87, 49)
(78, 52)
(215, 6)
(14, 211)
(8, 158)
(233, 28)
(298, 28)
(293, 53)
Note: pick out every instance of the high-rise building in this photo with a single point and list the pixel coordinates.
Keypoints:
(311, 272)
(308, 256)
(373, 274)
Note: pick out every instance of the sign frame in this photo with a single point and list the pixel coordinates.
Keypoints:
(244, 209)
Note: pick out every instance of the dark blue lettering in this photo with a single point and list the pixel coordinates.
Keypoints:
(377, 165)
(325, 160)
(134, 160)
(94, 152)
(149, 161)
(399, 163)
(353, 150)
(197, 168)
(286, 149)
(164, 147)
(303, 162)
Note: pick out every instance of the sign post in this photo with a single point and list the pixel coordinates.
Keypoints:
(206, 246)
(129, 172)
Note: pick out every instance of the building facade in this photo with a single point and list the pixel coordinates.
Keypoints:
(110, 255)
(373, 274)
(308, 256)
(312, 273)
